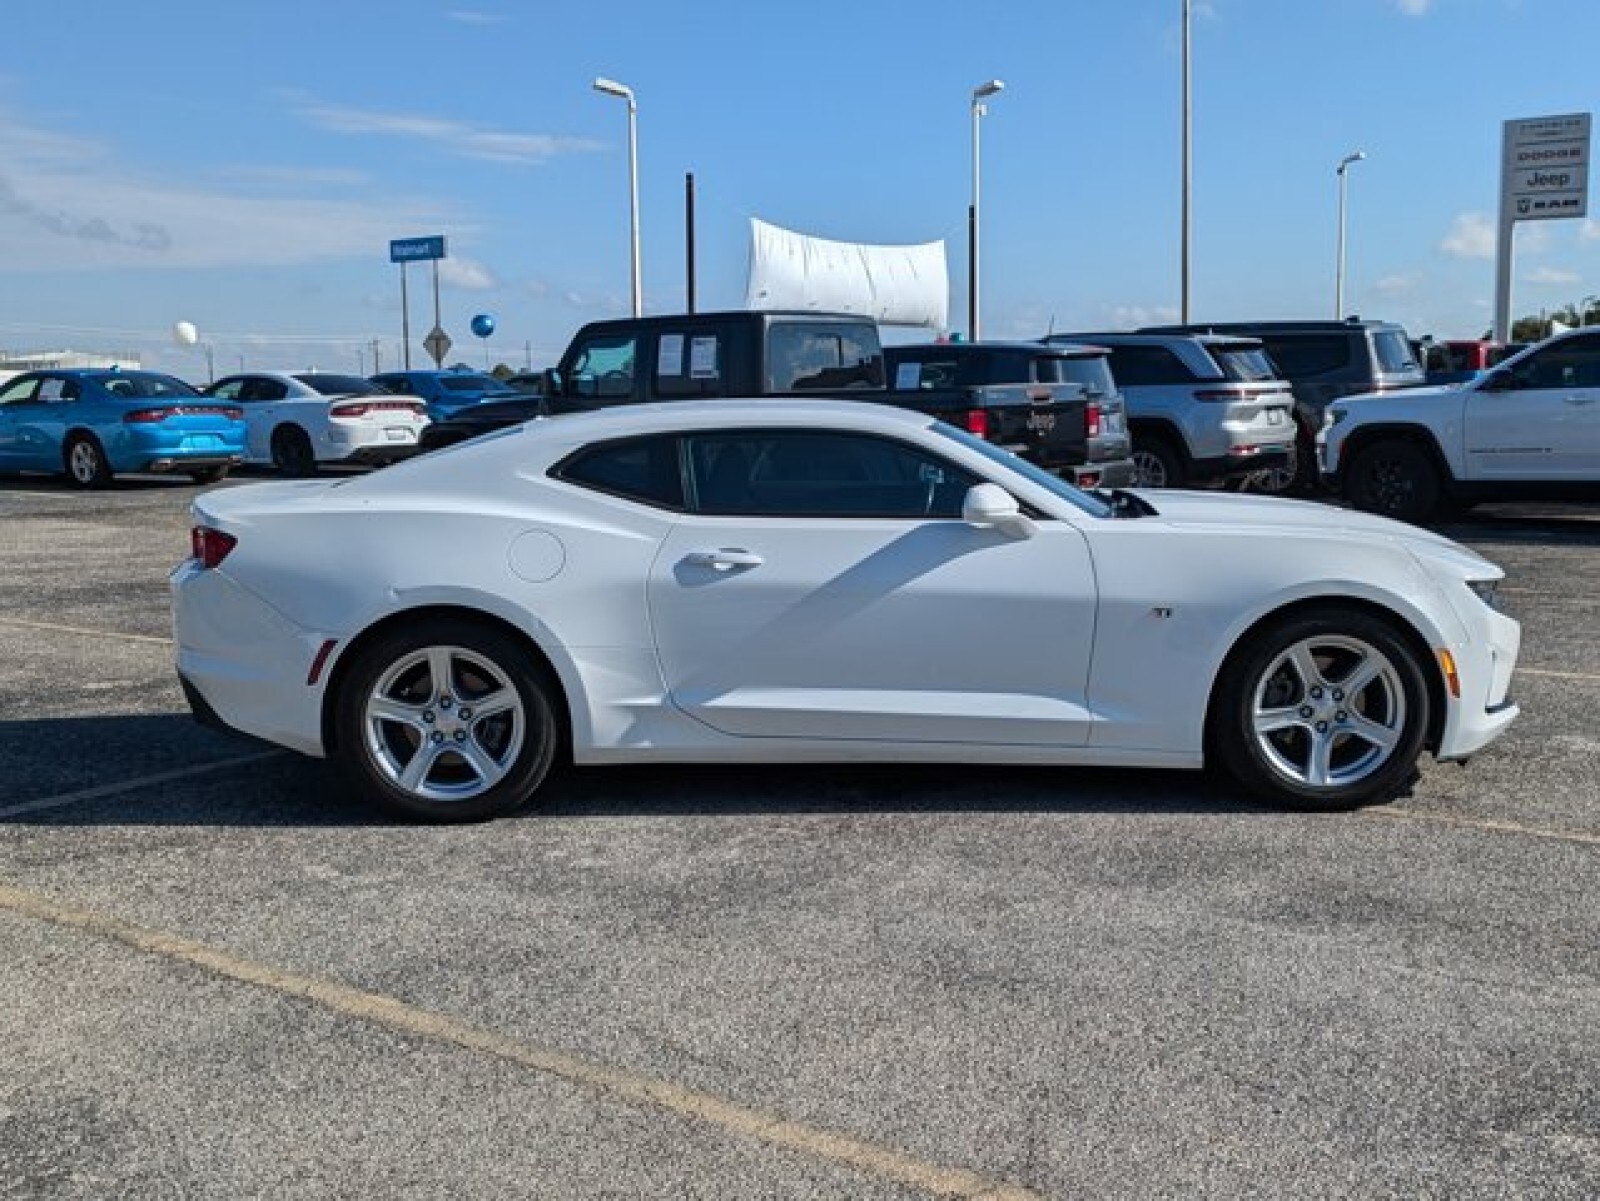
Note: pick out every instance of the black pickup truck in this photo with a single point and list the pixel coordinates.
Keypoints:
(1061, 425)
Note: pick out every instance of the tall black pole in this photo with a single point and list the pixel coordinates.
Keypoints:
(688, 234)
(405, 319)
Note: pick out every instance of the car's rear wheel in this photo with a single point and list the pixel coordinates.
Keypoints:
(85, 461)
(292, 453)
(446, 720)
(1157, 463)
(1326, 709)
(1394, 479)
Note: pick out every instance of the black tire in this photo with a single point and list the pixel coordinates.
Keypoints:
(1157, 463)
(1271, 728)
(84, 460)
(420, 758)
(1394, 478)
(292, 453)
(209, 475)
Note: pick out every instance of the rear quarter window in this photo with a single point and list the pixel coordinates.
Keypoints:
(641, 469)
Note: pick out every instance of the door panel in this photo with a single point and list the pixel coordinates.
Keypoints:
(874, 628)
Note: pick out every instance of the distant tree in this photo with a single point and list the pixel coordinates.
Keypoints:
(1532, 328)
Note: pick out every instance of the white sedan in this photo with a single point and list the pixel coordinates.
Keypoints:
(296, 421)
(782, 582)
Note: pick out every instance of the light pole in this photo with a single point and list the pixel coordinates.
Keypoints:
(979, 109)
(1338, 276)
(623, 91)
(1186, 222)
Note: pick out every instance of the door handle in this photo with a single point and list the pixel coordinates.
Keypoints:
(725, 559)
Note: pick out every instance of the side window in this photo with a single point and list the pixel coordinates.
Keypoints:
(1307, 356)
(795, 473)
(641, 469)
(229, 389)
(19, 390)
(603, 367)
(1136, 365)
(1574, 363)
(270, 389)
(815, 355)
(926, 375)
(55, 390)
(689, 364)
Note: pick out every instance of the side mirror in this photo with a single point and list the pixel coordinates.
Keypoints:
(991, 506)
(550, 384)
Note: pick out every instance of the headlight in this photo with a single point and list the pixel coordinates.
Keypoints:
(1488, 591)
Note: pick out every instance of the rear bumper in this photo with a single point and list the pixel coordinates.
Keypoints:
(194, 462)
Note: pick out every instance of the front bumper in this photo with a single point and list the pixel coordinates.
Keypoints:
(1485, 661)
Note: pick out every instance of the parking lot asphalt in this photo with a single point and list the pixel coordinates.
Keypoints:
(225, 977)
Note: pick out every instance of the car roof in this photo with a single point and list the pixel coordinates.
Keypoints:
(1147, 338)
(663, 416)
(1060, 349)
(1349, 325)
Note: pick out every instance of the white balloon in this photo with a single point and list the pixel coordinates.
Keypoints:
(185, 334)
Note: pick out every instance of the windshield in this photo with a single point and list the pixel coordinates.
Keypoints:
(1394, 350)
(1245, 362)
(1092, 371)
(471, 383)
(340, 385)
(1053, 484)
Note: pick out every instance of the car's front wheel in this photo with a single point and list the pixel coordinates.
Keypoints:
(1325, 709)
(447, 720)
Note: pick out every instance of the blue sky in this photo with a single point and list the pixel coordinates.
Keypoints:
(243, 165)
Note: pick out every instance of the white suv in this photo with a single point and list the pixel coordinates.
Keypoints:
(1528, 428)
(1203, 408)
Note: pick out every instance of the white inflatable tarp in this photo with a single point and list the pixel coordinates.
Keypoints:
(896, 285)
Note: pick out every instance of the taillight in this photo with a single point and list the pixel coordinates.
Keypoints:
(143, 416)
(148, 416)
(210, 547)
(362, 408)
(978, 422)
(1091, 419)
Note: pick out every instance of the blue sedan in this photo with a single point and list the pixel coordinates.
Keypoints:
(446, 393)
(92, 424)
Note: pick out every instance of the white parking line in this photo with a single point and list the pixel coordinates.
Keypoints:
(615, 1084)
(105, 790)
(1557, 675)
(1494, 827)
(56, 628)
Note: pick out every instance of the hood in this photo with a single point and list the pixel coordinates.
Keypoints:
(1423, 392)
(1235, 511)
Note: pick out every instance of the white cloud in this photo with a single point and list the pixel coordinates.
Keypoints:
(67, 204)
(1533, 237)
(460, 137)
(1551, 275)
(1471, 236)
(469, 16)
(466, 274)
(1402, 283)
(1131, 316)
(1413, 8)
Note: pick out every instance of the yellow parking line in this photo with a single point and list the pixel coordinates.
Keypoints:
(105, 790)
(1557, 675)
(616, 1084)
(53, 627)
(1495, 827)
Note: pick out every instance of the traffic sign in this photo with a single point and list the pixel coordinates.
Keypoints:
(413, 250)
(437, 344)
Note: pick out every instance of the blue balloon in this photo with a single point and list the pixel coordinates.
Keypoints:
(483, 325)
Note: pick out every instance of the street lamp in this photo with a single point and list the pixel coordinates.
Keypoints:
(1338, 278)
(979, 94)
(623, 91)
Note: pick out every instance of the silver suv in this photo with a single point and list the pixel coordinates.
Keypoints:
(1202, 408)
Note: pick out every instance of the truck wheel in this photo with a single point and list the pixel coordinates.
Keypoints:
(1394, 479)
(1157, 463)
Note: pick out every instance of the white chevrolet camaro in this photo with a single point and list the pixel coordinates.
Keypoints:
(818, 581)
